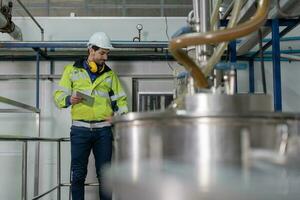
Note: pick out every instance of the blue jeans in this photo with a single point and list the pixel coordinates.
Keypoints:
(83, 140)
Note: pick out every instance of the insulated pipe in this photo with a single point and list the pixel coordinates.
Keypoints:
(16, 33)
(290, 57)
(214, 59)
(178, 43)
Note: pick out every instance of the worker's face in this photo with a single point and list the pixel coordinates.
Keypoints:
(99, 56)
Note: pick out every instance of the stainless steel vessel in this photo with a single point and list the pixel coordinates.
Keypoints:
(214, 128)
(209, 141)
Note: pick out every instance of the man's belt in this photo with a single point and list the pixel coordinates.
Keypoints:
(92, 124)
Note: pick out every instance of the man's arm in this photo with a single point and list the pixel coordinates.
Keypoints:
(63, 94)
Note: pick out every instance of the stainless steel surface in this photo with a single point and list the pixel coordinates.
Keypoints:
(188, 140)
(18, 104)
(259, 180)
(205, 151)
(188, 136)
(221, 103)
(24, 171)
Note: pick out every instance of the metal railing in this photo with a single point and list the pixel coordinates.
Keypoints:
(25, 140)
(24, 108)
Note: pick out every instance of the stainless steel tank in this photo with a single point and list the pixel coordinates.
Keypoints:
(217, 128)
(209, 140)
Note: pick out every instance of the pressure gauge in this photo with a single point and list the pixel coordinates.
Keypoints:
(139, 27)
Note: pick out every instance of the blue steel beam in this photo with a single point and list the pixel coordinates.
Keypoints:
(81, 44)
(280, 35)
(276, 66)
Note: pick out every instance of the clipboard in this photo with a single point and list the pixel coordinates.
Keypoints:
(87, 99)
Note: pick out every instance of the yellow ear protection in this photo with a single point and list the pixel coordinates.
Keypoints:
(95, 68)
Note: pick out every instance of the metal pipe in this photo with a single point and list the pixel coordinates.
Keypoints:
(233, 72)
(37, 80)
(24, 171)
(37, 157)
(221, 47)
(19, 104)
(283, 14)
(30, 15)
(16, 32)
(38, 126)
(58, 171)
(178, 43)
(86, 184)
(290, 57)
(81, 44)
(45, 193)
(202, 25)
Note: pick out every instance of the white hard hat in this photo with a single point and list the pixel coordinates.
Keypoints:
(100, 39)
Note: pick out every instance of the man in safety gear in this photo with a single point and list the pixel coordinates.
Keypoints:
(91, 116)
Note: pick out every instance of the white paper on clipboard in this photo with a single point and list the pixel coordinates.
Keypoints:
(87, 99)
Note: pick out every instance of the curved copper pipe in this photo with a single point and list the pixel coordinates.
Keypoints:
(178, 43)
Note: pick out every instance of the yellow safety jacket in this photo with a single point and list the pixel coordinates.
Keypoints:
(109, 96)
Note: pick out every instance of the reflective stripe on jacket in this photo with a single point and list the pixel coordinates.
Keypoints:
(106, 90)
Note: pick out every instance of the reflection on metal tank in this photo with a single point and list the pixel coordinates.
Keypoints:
(213, 128)
(203, 151)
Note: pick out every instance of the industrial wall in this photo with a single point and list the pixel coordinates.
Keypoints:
(56, 122)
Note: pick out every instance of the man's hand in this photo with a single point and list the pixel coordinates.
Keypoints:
(75, 99)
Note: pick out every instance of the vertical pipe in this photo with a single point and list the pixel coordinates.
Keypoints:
(37, 155)
(233, 59)
(24, 171)
(124, 11)
(48, 7)
(276, 65)
(162, 11)
(251, 77)
(58, 170)
(37, 80)
(70, 188)
(52, 67)
(202, 24)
